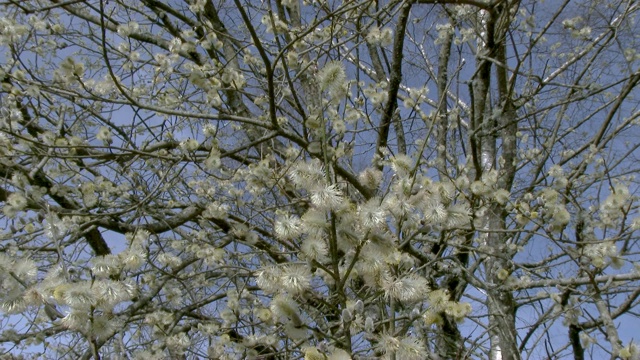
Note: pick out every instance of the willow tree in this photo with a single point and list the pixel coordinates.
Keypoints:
(322, 179)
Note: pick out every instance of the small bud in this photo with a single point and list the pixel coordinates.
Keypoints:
(368, 325)
(346, 315)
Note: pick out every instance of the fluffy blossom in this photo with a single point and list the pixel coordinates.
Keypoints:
(307, 175)
(561, 217)
(339, 354)
(401, 164)
(611, 208)
(501, 196)
(332, 77)
(458, 215)
(12, 302)
(598, 252)
(17, 201)
(76, 320)
(102, 327)
(371, 178)
(104, 266)
(315, 247)
(285, 310)
(371, 213)
(268, 279)
(189, 145)
(382, 37)
(409, 347)
(312, 353)
(435, 212)
(77, 295)
(109, 293)
(630, 352)
(328, 198)
(288, 227)
(458, 310)
(295, 279)
(406, 288)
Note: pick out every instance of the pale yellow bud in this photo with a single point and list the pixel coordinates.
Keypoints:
(311, 353)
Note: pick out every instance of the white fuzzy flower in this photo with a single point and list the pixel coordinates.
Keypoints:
(76, 320)
(315, 247)
(332, 78)
(407, 288)
(79, 295)
(479, 188)
(132, 258)
(213, 98)
(17, 201)
(556, 171)
(210, 130)
(292, 59)
(55, 228)
(295, 279)
(339, 126)
(501, 196)
(197, 6)
(370, 177)
(458, 215)
(371, 213)
(104, 135)
(285, 310)
(630, 351)
(339, 354)
(561, 217)
(103, 327)
(458, 310)
(268, 279)
(598, 252)
(312, 353)
(315, 219)
(435, 212)
(128, 28)
(377, 36)
(263, 314)
(10, 211)
(109, 293)
(189, 145)
(409, 348)
(272, 22)
(213, 161)
(288, 227)
(13, 302)
(438, 299)
(168, 259)
(611, 207)
(178, 342)
(401, 164)
(327, 198)
(104, 266)
(308, 175)
(490, 177)
(24, 269)
(549, 196)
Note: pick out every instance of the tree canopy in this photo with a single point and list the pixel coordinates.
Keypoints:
(319, 179)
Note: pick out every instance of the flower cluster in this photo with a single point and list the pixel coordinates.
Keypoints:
(332, 78)
(293, 279)
(407, 347)
(381, 37)
(598, 252)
